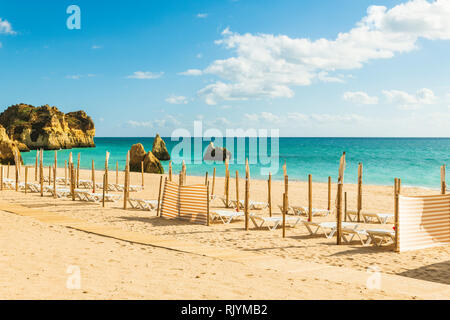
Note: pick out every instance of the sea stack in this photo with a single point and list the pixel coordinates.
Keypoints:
(159, 149)
(151, 163)
(8, 148)
(48, 128)
(216, 153)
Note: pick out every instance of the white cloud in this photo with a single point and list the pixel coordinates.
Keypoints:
(74, 76)
(407, 101)
(359, 97)
(337, 117)
(145, 75)
(199, 56)
(177, 99)
(268, 66)
(140, 124)
(168, 121)
(5, 27)
(202, 15)
(296, 116)
(192, 72)
(94, 47)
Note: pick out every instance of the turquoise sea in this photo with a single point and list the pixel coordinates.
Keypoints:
(416, 161)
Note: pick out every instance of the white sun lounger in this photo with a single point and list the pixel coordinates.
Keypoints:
(225, 216)
(60, 193)
(376, 217)
(381, 236)
(33, 187)
(359, 233)
(230, 203)
(143, 204)
(276, 221)
(252, 205)
(328, 228)
(300, 210)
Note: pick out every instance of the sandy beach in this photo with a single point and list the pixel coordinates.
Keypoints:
(35, 255)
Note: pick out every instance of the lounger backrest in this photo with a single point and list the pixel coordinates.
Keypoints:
(423, 222)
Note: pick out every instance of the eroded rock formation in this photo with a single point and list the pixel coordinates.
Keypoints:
(151, 163)
(7, 148)
(47, 127)
(159, 149)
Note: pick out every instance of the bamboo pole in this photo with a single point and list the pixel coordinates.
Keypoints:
(170, 171)
(310, 198)
(359, 199)
(26, 179)
(207, 204)
(227, 185)
(214, 181)
(78, 170)
(36, 166)
(286, 191)
(1, 177)
(339, 213)
(65, 172)
(238, 204)
(284, 213)
(117, 172)
(103, 191)
(125, 189)
(54, 181)
(183, 172)
(106, 186)
(206, 178)
(56, 159)
(93, 175)
(7, 173)
(142, 173)
(269, 193)
(72, 181)
(443, 185)
(16, 166)
(41, 171)
(396, 215)
(247, 191)
(345, 206)
(159, 195)
(49, 175)
(329, 194)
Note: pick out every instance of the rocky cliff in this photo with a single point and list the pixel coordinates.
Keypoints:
(47, 127)
(151, 163)
(7, 148)
(159, 149)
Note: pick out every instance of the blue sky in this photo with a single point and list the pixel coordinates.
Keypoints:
(141, 67)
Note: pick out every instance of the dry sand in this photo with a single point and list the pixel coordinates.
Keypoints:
(35, 256)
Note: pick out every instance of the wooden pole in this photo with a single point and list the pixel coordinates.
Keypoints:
(339, 213)
(396, 215)
(345, 206)
(170, 171)
(214, 181)
(36, 166)
(285, 205)
(54, 182)
(329, 194)
(310, 198)
(56, 159)
(227, 187)
(16, 165)
(159, 195)
(126, 182)
(359, 199)
(247, 191)
(41, 172)
(207, 204)
(93, 175)
(286, 191)
(72, 181)
(7, 173)
(238, 204)
(26, 179)
(443, 185)
(206, 178)
(106, 186)
(78, 170)
(1, 177)
(269, 193)
(49, 175)
(65, 172)
(103, 191)
(117, 172)
(142, 173)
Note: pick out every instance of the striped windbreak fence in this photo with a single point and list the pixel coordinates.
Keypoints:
(423, 222)
(185, 202)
